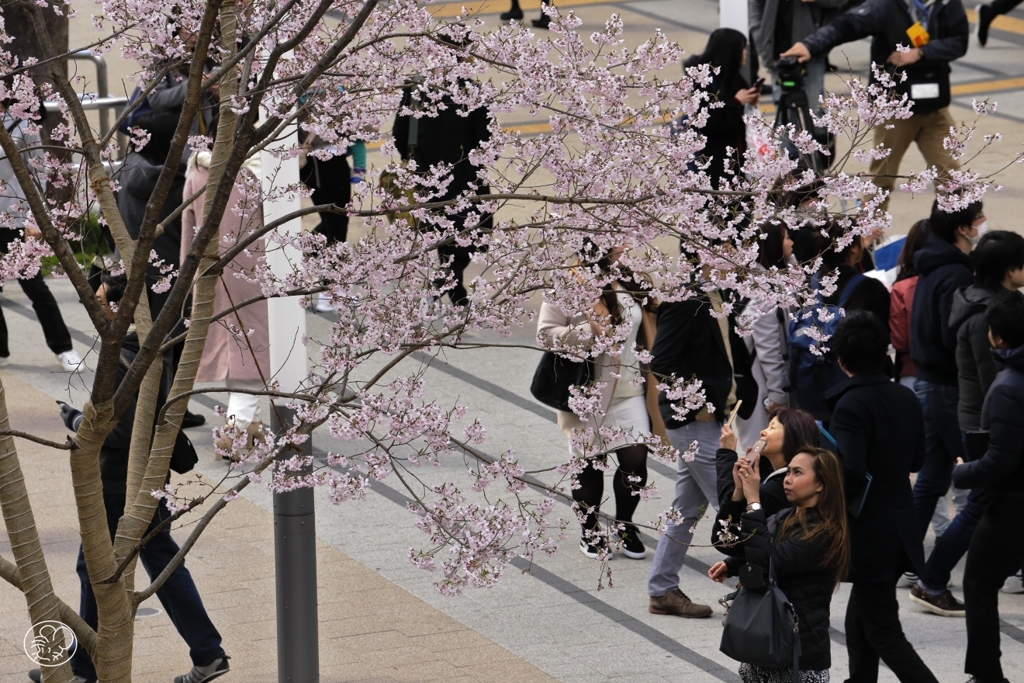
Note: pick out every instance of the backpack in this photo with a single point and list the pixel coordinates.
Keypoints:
(811, 375)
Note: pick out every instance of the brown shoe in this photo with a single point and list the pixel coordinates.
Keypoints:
(943, 604)
(676, 603)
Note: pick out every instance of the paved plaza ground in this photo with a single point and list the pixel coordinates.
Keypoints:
(381, 620)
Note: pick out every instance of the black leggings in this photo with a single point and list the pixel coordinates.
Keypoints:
(1004, 6)
(632, 463)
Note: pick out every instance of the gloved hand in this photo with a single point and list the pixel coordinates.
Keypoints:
(71, 416)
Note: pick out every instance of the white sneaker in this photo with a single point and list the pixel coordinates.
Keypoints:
(323, 303)
(71, 361)
(1014, 585)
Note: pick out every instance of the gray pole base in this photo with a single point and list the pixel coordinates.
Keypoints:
(298, 646)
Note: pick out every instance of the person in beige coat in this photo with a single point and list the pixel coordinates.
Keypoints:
(237, 350)
(624, 403)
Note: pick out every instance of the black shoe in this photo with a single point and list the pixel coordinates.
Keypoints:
(975, 679)
(516, 14)
(985, 15)
(632, 546)
(192, 420)
(595, 548)
(542, 22)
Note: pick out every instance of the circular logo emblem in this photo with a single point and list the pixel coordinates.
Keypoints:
(50, 643)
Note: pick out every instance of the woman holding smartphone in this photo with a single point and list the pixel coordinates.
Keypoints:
(807, 545)
(788, 432)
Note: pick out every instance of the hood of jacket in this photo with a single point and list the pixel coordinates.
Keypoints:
(967, 302)
(1010, 358)
(835, 393)
(936, 253)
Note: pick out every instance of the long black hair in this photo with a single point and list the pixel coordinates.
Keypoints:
(724, 51)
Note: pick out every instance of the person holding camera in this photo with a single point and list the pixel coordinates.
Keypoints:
(777, 24)
(997, 546)
(937, 33)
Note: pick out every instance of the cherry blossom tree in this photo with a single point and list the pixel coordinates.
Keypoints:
(609, 172)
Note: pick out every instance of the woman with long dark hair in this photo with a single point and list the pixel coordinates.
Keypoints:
(726, 53)
(807, 545)
(624, 401)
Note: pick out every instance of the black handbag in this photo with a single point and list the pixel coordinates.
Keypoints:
(762, 627)
(553, 377)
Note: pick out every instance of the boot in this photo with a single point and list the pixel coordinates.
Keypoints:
(514, 12)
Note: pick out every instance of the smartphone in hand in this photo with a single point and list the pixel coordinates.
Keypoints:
(758, 84)
(755, 453)
(732, 415)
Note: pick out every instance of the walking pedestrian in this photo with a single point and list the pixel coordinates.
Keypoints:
(878, 426)
(692, 343)
(12, 205)
(997, 546)
(624, 405)
(807, 546)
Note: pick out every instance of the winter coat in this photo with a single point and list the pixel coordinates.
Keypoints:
(447, 138)
(554, 323)
(943, 270)
(868, 295)
(12, 197)
(806, 18)
(725, 128)
(689, 345)
(1001, 469)
(798, 574)
(879, 428)
(974, 360)
(773, 495)
(224, 356)
(886, 22)
(901, 301)
(769, 366)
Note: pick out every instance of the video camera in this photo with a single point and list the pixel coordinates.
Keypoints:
(789, 74)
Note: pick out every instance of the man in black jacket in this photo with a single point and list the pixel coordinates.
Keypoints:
(937, 32)
(997, 547)
(691, 343)
(878, 427)
(998, 266)
(178, 595)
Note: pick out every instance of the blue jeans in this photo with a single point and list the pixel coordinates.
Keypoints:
(696, 486)
(943, 444)
(953, 543)
(178, 595)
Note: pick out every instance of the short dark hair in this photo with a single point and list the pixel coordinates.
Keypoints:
(944, 224)
(1005, 317)
(998, 252)
(116, 284)
(799, 430)
(831, 256)
(861, 342)
(770, 252)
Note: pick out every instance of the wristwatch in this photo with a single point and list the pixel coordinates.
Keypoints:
(753, 507)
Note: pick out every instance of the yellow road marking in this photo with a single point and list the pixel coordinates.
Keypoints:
(1001, 23)
(987, 86)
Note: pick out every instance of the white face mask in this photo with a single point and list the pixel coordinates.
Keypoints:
(982, 229)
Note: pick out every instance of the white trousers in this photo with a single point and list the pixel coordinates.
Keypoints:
(244, 407)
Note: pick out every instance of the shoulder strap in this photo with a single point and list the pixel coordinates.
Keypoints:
(850, 286)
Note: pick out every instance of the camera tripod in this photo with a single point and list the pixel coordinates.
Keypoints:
(793, 108)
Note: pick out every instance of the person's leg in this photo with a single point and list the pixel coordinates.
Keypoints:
(695, 487)
(995, 553)
(934, 129)
(630, 477)
(814, 82)
(879, 614)
(1004, 6)
(179, 595)
(5, 350)
(863, 658)
(245, 407)
(514, 12)
(897, 140)
(56, 332)
(457, 259)
(589, 493)
(943, 445)
(940, 518)
(952, 545)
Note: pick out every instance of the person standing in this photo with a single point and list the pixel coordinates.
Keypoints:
(691, 343)
(623, 405)
(942, 31)
(878, 426)
(807, 545)
(998, 267)
(13, 205)
(944, 267)
(997, 546)
(901, 302)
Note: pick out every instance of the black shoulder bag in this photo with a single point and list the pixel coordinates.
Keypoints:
(762, 627)
(553, 377)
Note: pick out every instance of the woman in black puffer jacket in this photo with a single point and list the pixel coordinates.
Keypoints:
(808, 545)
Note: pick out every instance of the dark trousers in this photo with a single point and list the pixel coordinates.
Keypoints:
(56, 332)
(1004, 6)
(995, 553)
(873, 632)
(331, 182)
(178, 595)
(953, 543)
(460, 258)
(943, 444)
